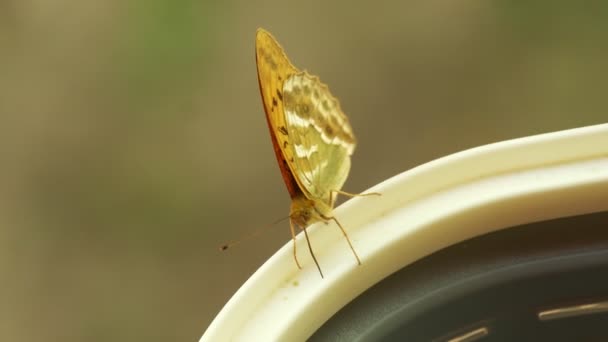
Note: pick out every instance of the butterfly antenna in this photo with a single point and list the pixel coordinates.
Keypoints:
(312, 253)
(250, 236)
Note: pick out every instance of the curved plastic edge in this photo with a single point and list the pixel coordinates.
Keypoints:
(423, 210)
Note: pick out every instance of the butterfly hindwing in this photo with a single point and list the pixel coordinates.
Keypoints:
(321, 137)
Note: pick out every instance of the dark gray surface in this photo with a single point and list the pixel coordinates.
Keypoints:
(500, 280)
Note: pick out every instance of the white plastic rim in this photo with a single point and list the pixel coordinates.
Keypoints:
(421, 211)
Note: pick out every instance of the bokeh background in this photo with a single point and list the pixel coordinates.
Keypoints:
(133, 141)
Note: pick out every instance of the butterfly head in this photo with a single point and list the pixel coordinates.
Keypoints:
(304, 211)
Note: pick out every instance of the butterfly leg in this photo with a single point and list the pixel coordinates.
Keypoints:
(340, 192)
(293, 237)
(346, 236)
(312, 253)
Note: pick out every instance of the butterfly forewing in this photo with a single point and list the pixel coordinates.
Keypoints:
(274, 69)
(320, 134)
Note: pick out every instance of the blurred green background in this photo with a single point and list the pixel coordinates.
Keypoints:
(133, 141)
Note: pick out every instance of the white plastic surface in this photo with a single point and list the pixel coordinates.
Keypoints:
(425, 209)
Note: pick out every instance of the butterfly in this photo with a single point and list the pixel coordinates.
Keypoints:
(311, 136)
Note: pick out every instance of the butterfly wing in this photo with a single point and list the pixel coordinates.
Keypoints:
(274, 69)
(321, 137)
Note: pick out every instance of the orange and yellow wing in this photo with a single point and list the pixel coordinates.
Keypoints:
(274, 69)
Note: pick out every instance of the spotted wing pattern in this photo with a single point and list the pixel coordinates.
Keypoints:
(322, 139)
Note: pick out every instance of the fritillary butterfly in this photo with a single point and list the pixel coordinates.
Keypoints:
(311, 136)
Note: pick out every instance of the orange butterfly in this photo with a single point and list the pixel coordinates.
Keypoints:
(311, 136)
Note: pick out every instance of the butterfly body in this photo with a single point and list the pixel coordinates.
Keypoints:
(311, 136)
